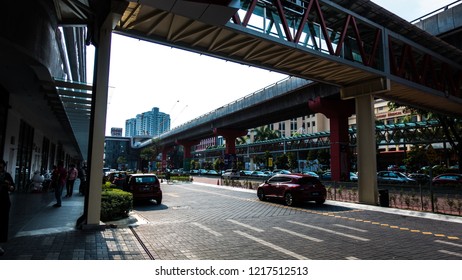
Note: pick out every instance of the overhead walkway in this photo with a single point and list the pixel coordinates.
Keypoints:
(356, 45)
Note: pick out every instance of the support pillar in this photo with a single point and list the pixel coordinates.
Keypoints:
(92, 208)
(230, 136)
(165, 151)
(338, 112)
(366, 149)
(187, 152)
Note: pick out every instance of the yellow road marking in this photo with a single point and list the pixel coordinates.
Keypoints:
(426, 232)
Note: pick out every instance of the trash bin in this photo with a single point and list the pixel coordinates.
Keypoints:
(384, 199)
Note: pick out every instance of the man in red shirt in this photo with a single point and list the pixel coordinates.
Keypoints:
(62, 176)
(71, 176)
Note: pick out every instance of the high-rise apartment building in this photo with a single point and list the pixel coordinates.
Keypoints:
(152, 123)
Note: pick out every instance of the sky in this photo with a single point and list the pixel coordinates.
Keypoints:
(186, 85)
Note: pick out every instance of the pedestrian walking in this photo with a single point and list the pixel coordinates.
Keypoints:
(71, 176)
(83, 179)
(6, 186)
(62, 176)
(54, 178)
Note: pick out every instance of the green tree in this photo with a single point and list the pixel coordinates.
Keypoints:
(416, 158)
(151, 152)
(282, 162)
(263, 133)
(121, 160)
(324, 157)
(242, 140)
(451, 127)
(292, 161)
(312, 155)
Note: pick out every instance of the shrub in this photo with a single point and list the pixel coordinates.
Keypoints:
(115, 204)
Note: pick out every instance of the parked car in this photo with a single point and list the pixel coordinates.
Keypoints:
(326, 176)
(281, 171)
(118, 178)
(311, 173)
(420, 178)
(231, 174)
(447, 179)
(292, 188)
(245, 172)
(394, 177)
(353, 177)
(144, 187)
(257, 173)
(212, 172)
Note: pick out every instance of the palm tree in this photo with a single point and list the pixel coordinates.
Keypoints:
(263, 133)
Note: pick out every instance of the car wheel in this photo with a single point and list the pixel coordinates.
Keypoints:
(320, 202)
(159, 201)
(261, 195)
(289, 199)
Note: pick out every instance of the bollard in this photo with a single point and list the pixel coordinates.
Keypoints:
(218, 182)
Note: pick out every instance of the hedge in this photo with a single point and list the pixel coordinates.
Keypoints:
(115, 204)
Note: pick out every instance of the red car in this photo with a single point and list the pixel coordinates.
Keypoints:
(293, 188)
(144, 187)
(447, 179)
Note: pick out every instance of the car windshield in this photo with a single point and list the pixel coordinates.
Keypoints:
(147, 179)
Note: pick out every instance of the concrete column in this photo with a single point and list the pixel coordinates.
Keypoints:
(338, 112)
(230, 136)
(165, 151)
(187, 152)
(366, 149)
(98, 122)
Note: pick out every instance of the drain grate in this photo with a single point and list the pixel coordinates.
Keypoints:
(141, 243)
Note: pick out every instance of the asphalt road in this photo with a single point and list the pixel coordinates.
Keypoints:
(202, 222)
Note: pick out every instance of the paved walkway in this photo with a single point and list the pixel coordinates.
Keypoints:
(38, 231)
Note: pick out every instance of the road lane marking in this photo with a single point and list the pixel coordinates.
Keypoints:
(448, 243)
(331, 231)
(329, 214)
(271, 245)
(351, 258)
(352, 228)
(245, 225)
(299, 234)
(206, 229)
(450, 253)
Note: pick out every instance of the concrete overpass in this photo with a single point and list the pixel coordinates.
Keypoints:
(444, 23)
(284, 100)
